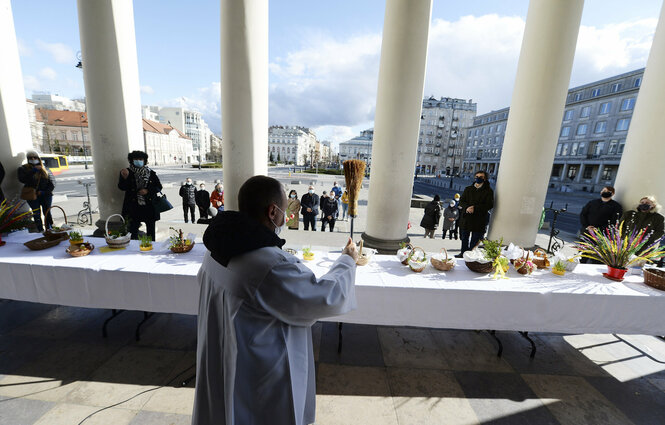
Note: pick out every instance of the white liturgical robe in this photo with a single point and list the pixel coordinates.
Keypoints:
(255, 362)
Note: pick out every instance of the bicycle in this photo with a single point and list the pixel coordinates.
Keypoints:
(84, 216)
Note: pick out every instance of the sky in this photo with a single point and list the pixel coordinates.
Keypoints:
(324, 56)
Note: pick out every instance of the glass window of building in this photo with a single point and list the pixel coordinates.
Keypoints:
(564, 149)
(577, 97)
(607, 173)
(558, 149)
(568, 115)
(628, 104)
(612, 149)
(582, 149)
(585, 112)
(622, 124)
(638, 82)
(565, 131)
(598, 150)
(601, 127)
(622, 145)
(588, 172)
(605, 108)
(595, 92)
(572, 171)
(573, 149)
(581, 130)
(616, 87)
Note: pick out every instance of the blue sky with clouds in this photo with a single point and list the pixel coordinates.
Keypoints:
(324, 56)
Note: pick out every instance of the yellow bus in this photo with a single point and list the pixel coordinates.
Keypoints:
(56, 163)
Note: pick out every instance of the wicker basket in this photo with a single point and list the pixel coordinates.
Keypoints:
(64, 228)
(417, 266)
(80, 252)
(540, 259)
(654, 278)
(364, 256)
(120, 242)
(180, 249)
(46, 241)
(443, 265)
(478, 267)
(405, 260)
(523, 269)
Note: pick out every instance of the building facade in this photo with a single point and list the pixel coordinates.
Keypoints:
(360, 147)
(60, 103)
(63, 132)
(591, 140)
(292, 145)
(187, 121)
(166, 145)
(440, 142)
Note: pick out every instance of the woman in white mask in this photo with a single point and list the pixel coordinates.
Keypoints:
(39, 184)
(292, 210)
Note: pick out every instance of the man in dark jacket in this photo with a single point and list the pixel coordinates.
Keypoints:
(329, 209)
(476, 202)
(601, 213)
(188, 195)
(432, 217)
(202, 201)
(310, 208)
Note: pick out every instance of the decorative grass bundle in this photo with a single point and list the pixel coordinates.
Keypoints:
(11, 217)
(354, 172)
(618, 249)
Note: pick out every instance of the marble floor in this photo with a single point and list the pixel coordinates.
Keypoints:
(55, 368)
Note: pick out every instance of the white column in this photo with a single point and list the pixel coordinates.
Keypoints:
(15, 136)
(532, 131)
(244, 68)
(397, 121)
(113, 98)
(600, 173)
(642, 167)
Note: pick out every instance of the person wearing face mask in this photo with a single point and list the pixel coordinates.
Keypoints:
(39, 183)
(601, 213)
(430, 220)
(645, 216)
(188, 195)
(217, 197)
(309, 204)
(293, 210)
(324, 197)
(455, 230)
(336, 190)
(476, 202)
(141, 185)
(257, 303)
(203, 201)
(450, 216)
(329, 210)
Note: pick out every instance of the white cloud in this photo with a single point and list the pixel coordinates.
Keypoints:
(147, 90)
(23, 48)
(48, 73)
(60, 52)
(31, 84)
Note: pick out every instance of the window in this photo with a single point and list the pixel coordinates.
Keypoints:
(605, 108)
(601, 127)
(558, 150)
(607, 173)
(572, 171)
(482, 131)
(595, 92)
(638, 82)
(565, 132)
(586, 111)
(622, 145)
(568, 115)
(582, 149)
(573, 149)
(616, 87)
(581, 130)
(496, 140)
(577, 97)
(613, 147)
(491, 129)
(588, 172)
(598, 149)
(628, 104)
(564, 149)
(622, 124)
(499, 128)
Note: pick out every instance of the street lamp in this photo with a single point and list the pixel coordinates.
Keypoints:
(85, 157)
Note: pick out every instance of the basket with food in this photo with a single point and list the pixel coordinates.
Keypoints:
(117, 238)
(62, 229)
(654, 277)
(403, 253)
(80, 250)
(417, 259)
(524, 265)
(540, 259)
(178, 244)
(364, 254)
(442, 262)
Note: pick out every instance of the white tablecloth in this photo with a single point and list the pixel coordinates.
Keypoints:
(388, 293)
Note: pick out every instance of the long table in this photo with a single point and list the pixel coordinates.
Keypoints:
(388, 293)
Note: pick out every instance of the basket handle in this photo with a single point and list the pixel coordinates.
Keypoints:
(106, 226)
(540, 250)
(360, 249)
(58, 207)
(415, 249)
(445, 251)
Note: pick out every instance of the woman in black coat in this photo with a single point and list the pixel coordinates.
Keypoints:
(34, 174)
(432, 216)
(141, 185)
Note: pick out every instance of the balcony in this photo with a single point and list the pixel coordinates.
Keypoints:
(440, 125)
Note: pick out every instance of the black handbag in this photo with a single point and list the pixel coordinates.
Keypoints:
(161, 204)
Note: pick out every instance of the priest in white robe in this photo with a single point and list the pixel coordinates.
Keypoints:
(255, 363)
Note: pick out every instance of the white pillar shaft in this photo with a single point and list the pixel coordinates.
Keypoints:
(15, 137)
(642, 167)
(113, 98)
(244, 81)
(397, 120)
(539, 96)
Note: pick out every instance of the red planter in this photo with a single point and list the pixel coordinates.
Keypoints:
(616, 273)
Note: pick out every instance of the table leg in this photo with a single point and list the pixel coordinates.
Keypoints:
(114, 313)
(146, 316)
(525, 335)
(339, 337)
(498, 341)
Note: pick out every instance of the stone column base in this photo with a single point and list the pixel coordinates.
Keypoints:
(383, 246)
